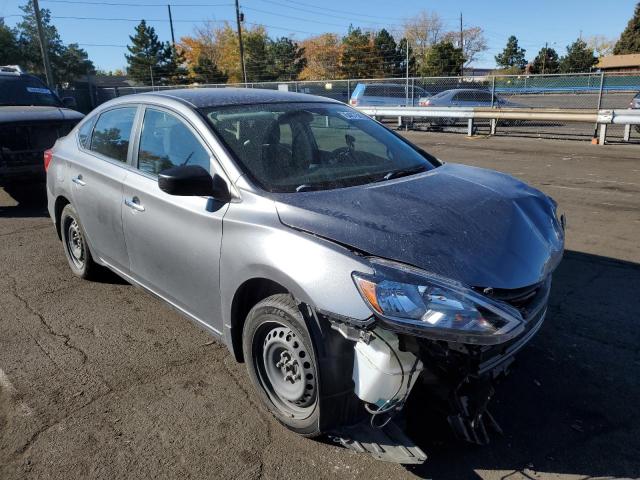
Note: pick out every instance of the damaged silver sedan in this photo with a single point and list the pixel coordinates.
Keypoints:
(341, 263)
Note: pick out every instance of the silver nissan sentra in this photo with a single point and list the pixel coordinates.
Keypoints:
(341, 263)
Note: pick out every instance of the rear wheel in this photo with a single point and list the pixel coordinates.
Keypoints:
(282, 363)
(75, 245)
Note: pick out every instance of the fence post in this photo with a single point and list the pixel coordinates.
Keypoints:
(348, 89)
(603, 131)
(493, 121)
(627, 133)
(470, 127)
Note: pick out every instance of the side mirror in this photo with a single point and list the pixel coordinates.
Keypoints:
(69, 102)
(193, 180)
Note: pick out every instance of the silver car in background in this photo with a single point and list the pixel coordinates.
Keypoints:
(340, 262)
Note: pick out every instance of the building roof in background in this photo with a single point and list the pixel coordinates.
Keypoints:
(619, 61)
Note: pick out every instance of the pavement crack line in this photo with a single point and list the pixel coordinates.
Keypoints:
(45, 324)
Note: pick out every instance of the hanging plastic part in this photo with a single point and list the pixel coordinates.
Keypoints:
(383, 375)
(388, 444)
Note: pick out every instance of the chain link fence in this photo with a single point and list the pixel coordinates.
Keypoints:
(558, 91)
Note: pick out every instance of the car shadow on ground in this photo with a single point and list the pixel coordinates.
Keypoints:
(570, 404)
(29, 200)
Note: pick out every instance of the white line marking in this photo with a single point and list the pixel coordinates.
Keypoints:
(6, 383)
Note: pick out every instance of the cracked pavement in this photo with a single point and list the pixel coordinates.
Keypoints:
(101, 380)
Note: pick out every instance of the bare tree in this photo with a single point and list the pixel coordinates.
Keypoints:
(423, 30)
(601, 45)
(474, 43)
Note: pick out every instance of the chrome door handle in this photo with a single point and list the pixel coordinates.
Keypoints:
(78, 181)
(134, 203)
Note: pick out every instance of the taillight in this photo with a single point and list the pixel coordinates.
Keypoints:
(48, 156)
(353, 102)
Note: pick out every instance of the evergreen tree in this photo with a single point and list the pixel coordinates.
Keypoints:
(387, 56)
(629, 41)
(286, 59)
(9, 48)
(173, 70)
(147, 55)
(402, 54)
(579, 58)
(546, 61)
(207, 72)
(256, 56)
(512, 55)
(67, 62)
(442, 60)
(357, 59)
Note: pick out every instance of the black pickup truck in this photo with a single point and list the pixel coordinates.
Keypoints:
(32, 118)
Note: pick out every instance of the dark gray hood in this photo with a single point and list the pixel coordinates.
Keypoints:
(477, 226)
(29, 114)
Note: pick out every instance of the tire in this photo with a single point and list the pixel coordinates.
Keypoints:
(75, 245)
(282, 365)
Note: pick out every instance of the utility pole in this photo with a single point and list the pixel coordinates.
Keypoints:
(461, 45)
(43, 45)
(173, 38)
(544, 59)
(244, 73)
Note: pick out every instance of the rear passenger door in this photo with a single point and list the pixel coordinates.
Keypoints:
(97, 175)
(173, 242)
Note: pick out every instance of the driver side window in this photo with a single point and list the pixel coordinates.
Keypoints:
(167, 142)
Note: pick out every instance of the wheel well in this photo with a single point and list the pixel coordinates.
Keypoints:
(249, 294)
(61, 202)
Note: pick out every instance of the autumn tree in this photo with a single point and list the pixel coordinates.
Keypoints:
(629, 41)
(443, 59)
(512, 57)
(546, 61)
(323, 54)
(579, 58)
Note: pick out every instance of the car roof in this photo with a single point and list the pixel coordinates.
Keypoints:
(219, 97)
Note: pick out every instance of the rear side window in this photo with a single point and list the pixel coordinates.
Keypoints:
(167, 142)
(84, 133)
(112, 133)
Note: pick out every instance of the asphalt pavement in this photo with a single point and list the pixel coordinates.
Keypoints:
(102, 380)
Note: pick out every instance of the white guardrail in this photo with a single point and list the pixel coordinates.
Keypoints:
(603, 118)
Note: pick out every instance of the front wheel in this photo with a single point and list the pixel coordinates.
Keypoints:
(282, 363)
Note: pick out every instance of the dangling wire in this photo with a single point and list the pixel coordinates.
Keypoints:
(392, 403)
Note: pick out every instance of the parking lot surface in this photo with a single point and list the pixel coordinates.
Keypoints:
(102, 380)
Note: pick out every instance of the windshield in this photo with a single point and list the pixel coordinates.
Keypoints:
(289, 147)
(25, 90)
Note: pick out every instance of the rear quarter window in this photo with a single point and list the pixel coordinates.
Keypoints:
(84, 132)
(112, 133)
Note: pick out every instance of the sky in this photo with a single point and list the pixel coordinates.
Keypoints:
(558, 22)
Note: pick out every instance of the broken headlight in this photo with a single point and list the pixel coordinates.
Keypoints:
(410, 300)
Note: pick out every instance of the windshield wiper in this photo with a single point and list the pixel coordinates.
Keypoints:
(403, 172)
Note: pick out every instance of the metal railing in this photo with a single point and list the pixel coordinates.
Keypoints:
(446, 115)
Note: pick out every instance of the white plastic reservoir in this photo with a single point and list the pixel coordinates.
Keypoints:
(376, 372)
